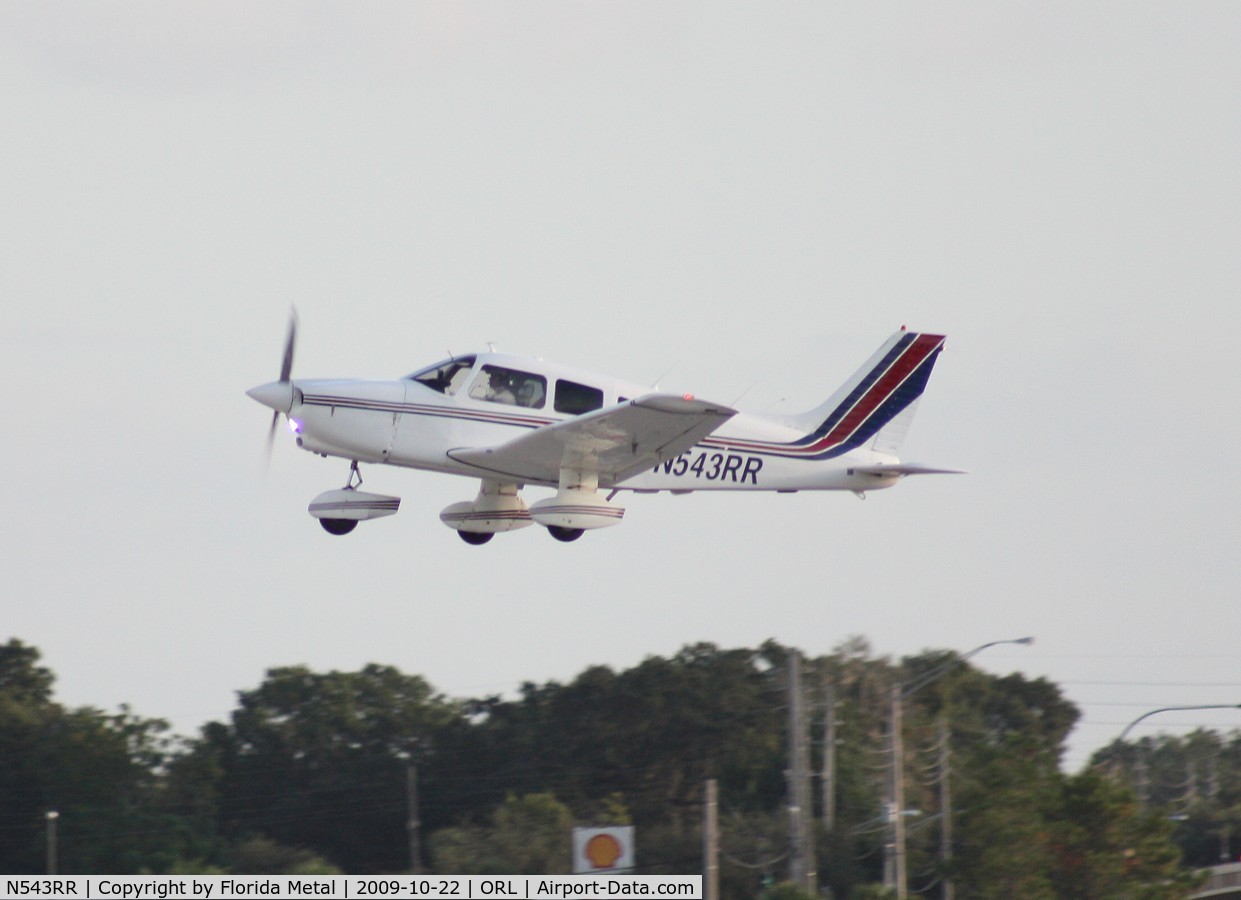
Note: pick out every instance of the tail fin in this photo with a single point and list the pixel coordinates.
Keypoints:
(876, 405)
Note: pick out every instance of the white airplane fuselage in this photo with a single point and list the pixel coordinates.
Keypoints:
(512, 421)
(403, 423)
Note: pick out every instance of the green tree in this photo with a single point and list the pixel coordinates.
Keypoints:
(260, 856)
(1005, 736)
(528, 835)
(652, 734)
(787, 890)
(98, 771)
(1104, 846)
(309, 774)
(1002, 847)
(319, 761)
(1193, 779)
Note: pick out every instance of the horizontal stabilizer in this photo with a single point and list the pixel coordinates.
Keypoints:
(902, 470)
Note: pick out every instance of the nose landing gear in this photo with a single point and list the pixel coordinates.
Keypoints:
(340, 511)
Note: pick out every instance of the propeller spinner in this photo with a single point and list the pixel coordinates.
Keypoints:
(278, 395)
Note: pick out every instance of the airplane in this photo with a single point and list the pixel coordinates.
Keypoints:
(512, 422)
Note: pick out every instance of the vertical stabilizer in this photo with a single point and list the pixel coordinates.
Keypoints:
(876, 405)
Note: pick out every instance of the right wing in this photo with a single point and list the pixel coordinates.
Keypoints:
(616, 443)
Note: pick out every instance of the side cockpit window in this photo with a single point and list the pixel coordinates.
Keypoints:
(513, 387)
(575, 399)
(445, 377)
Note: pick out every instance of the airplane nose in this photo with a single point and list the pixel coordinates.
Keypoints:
(277, 395)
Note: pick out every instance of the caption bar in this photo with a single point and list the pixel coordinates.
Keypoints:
(459, 887)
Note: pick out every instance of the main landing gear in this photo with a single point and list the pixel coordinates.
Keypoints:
(478, 538)
(576, 508)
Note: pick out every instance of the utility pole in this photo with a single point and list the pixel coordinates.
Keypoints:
(412, 824)
(895, 867)
(897, 812)
(52, 816)
(1140, 777)
(807, 806)
(711, 843)
(828, 774)
(945, 802)
(1213, 794)
(801, 837)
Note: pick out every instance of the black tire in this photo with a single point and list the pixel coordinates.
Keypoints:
(476, 538)
(338, 526)
(565, 534)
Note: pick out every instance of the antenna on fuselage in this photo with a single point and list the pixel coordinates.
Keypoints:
(746, 391)
(655, 384)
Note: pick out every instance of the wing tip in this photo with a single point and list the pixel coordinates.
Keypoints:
(682, 405)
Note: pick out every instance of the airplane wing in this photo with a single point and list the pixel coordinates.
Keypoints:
(617, 442)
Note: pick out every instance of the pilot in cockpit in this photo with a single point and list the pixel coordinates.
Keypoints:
(502, 388)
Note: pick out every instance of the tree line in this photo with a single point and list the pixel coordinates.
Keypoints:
(311, 774)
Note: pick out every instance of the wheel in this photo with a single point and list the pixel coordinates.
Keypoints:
(565, 534)
(338, 526)
(477, 538)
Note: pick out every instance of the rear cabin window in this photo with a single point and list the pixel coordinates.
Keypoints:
(498, 384)
(445, 377)
(575, 399)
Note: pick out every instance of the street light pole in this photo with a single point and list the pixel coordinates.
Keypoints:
(1140, 767)
(897, 813)
(1164, 709)
(939, 671)
(52, 816)
(802, 869)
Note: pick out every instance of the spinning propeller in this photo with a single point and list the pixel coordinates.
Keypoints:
(279, 394)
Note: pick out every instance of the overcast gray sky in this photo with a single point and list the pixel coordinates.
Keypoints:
(741, 199)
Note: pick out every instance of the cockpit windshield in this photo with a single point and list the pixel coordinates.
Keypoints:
(498, 384)
(445, 377)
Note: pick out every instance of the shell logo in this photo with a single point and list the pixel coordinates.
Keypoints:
(603, 849)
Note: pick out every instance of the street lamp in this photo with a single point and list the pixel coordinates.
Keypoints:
(1140, 766)
(899, 693)
(1164, 709)
(51, 816)
(939, 671)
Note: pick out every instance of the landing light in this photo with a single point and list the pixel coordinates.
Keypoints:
(295, 426)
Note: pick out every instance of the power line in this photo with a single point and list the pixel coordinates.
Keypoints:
(1219, 684)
